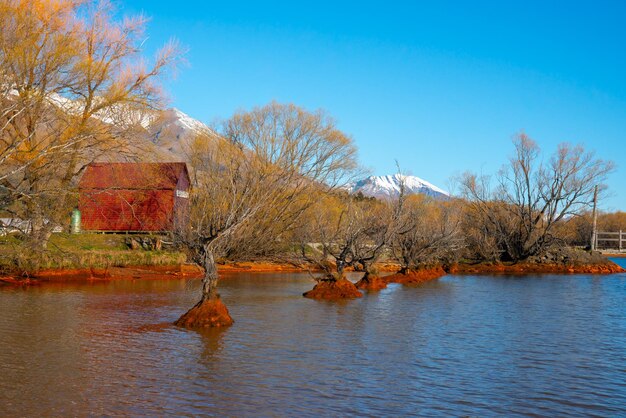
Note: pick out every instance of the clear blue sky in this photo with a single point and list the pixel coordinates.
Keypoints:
(440, 86)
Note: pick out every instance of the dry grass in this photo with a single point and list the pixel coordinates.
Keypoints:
(80, 251)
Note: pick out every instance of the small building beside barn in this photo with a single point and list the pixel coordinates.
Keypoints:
(134, 197)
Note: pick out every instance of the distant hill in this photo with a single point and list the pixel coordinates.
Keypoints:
(385, 187)
(163, 135)
(172, 131)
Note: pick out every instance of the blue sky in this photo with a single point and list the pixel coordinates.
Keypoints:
(440, 86)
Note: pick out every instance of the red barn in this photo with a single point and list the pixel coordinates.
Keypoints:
(134, 197)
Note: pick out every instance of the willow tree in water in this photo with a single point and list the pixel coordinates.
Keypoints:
(341, 231)
(427, 233)
(264, 165)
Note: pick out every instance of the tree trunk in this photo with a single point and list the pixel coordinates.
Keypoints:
(210, 311)
(209, 282)
(39, 234)
(371, 281)
(341, 265)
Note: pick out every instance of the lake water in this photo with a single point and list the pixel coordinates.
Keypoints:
(458, 346)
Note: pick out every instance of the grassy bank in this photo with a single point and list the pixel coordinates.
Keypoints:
(67, 251)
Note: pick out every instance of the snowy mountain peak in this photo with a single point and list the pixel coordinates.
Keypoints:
(187, 122)
(165, 134)
(174, 131)
(389, 186)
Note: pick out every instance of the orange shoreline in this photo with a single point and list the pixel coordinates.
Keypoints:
(615, 255)
(193, 271)
(141, 272)
(527, 268)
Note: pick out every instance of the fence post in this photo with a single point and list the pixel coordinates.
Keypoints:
(620, 240)
(594, 228)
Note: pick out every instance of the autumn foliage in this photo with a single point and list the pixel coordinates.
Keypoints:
(73, 88)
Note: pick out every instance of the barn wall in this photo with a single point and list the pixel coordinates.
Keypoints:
(183, 181)
(127, 210)
(181, 204)
(181, 212)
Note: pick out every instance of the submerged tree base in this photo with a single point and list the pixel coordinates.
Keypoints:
(333, 290)
(410, 277)
(371, 283)
(208, 313)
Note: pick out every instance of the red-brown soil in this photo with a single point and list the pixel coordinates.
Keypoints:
(76, 274)
(387, 267)
(261, 267)
(111, 273)
(333, 290)
(412, 277)
(273, 267)
(371, 283)
(13, 281)
(209, 313)
(525, 268)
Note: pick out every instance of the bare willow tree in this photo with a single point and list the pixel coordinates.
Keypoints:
(335, 233)
(265, 166)
(326, 240)
(368, 248)
(73, 87)
(427, 232)
(531, 196)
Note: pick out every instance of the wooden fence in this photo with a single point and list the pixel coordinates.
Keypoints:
(611, 241)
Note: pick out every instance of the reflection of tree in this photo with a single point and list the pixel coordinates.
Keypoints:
(213, 343)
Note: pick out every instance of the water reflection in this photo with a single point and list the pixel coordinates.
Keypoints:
(534, 345)
(212, 340)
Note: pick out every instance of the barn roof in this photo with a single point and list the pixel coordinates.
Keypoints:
(133, 175)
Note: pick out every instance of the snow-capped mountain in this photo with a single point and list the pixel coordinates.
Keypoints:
(172, 131)
(385, 187)
(168, 133)
(164, 135)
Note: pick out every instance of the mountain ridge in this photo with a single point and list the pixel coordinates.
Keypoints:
(388, 187)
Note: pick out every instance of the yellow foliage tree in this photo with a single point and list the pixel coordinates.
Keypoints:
(73, 87)
(264, 168)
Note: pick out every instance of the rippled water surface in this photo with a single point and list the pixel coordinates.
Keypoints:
(462, 345)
